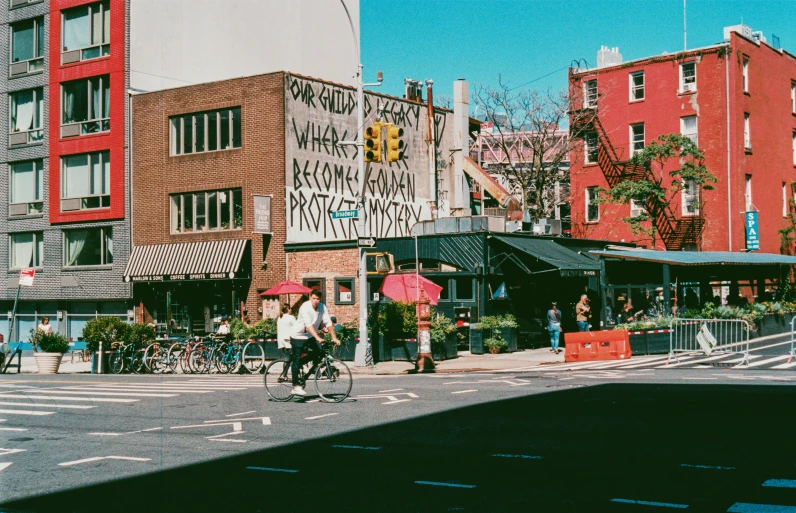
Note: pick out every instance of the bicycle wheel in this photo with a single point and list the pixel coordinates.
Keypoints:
(200, 359)
(227, 357)
(253, 357)
(278, 380)
(175, 357)
(152, 358)
(333, 380)
(116, 362)
(137, 362)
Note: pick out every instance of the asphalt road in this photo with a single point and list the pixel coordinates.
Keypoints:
(590, 440)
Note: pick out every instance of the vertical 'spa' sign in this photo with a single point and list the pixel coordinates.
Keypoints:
(752, 231)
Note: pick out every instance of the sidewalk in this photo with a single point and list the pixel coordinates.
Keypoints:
(466, 362)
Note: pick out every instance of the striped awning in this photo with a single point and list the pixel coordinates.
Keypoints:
(188, 261)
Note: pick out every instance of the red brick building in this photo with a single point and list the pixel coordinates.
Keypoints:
(736, 99)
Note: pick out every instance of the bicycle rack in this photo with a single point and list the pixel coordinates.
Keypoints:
(16, 353)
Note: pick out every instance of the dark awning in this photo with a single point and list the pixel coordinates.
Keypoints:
(570, 263)
(689, 258)
(225, 259)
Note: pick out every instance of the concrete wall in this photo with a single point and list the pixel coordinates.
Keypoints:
(180, 42)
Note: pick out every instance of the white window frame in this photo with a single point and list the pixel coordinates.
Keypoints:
(105, 233)
(587, 148)
(31, 207)
(793, 135)
(784, 199)
(688, 84)
(747, 195)
(635, 89)
(178, 128)
(745, 74)
(104, 196)
(35, 63)
(103, 48)
(693, 136)
(591, 191)
(636, 209)
(637, 141)
(177, 211)
(37, 258)
(35, 134)
(747, 132)
(689, 198)
(793, 97)
(96, 123)
(590, 97)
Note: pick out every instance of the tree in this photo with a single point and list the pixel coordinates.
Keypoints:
(650, 191)
(528, 145)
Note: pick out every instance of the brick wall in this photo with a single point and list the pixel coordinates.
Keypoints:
(257, 167)
(328, 264)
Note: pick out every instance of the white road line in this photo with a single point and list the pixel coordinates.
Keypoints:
(449, 485)
(158, 388)
(695, 362)
(362, 447)
(99, 458)
(226, 440)
(5, 465)
(6, 452)
(2, 385)
(398, 401)
(131, 394)
(26, 412)
(651, 503)
(128, 432)
(268, 469)
(714, 467)
(61, 398)
(786, 365)
(266, 421)
(235, 431)
(136, 389)
(780, 483)
(72, 406)
(391, 390)
(748, 507)
(244, 413)
(521, 456)
(320, 416)
(701, 379)
(12, 429)
(465, 391)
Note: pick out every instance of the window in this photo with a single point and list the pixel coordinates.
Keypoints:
(85, 181)
(27, 46)
(206, 131)
(92, 246)
(86, 106)
(344, 291)
(27, 112)
(748, 193)
(26, 188)
(636, 208)
(745, 74)
(590, 94)
(27, 250)
(592, 207)
(747, 136)
(207, 211)
(442, 281)
(784, 199)
(590, 147)
(793, 97)
(464, 289)
(637, 86)
(86, 32)
(637, 138)
(690, 198)
(794, 148)
(318, 284)
(688, 77)
(688, 127)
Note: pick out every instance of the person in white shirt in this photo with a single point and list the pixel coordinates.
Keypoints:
(312, 317)
(223, 328)
(284, 329)
(45, 326)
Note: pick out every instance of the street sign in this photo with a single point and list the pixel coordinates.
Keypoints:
(262, 214)
(345, 214)
(706, 339)
(366, 242)
(752, 231)
(487, 128)
(26, 276)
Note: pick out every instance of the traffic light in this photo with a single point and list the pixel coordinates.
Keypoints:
(373, 143)
(379, 263)
(395, 146)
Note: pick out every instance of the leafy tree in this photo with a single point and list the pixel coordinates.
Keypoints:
(106, 330)
(652, 190)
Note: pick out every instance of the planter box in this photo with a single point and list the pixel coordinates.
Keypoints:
(638, 342)
(448, 351)
(48, 363)
(348, 349)
(650, 342)
(773, 324)
(106, 367)
(510, 336)
(403, 350)
(477, 341)
(270, 348)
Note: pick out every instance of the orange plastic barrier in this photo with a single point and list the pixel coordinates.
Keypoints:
(597, 345)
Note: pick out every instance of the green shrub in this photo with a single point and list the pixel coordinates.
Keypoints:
(496, 342)
(48, 342)
(398, 320)
(240, 329)
(441, 327)
(106, 330)
(140, 335)
(507, 321)
(265, 328)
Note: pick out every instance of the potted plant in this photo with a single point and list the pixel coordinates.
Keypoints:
(104, 331)
(398, 323)
(347, 334)
(444, 338)
(496, 344)
(507, 327)
(264, 331)
(49, 349)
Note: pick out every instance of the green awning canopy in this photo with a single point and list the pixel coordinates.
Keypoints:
(568, 262)
(693, 258)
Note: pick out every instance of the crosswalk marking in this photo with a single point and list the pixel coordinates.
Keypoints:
(71, 406)
(137, 389)
(26, 412)
(786, 365)
(63, 398)
(91, 392)
(770, 360)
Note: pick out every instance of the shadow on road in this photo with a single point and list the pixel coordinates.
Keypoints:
(573, 449)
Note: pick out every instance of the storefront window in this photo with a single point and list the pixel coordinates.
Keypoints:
(207, 211)
(318, 284)
(344, 291)
(442, 282)
(464, 289)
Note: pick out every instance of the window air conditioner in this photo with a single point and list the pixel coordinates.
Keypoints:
(689, 87)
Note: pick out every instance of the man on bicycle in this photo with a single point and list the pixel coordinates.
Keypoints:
(312, 317)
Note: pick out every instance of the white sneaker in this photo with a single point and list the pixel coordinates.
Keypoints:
(299, 391)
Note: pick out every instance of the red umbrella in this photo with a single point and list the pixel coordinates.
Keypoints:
(286, 287)
(403, 287)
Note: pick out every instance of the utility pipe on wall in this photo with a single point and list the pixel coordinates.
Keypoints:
(729, 167)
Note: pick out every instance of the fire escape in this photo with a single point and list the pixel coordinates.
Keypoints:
(677, 233)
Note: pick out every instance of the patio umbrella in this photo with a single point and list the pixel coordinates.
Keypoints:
(286, 287)
(403, 287)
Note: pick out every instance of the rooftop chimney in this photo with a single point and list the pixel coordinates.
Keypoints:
(608, 57)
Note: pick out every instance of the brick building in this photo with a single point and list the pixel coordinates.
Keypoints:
(736, 99)
(191, 264)
(64, 166)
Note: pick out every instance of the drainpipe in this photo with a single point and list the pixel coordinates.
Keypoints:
(432, 143)
(729, 167)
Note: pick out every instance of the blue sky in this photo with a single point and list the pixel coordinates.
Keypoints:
(526, 39)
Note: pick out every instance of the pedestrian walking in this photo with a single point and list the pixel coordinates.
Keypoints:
(312, 317)
(45, 326)
(284, 328)
(554, 326)
(583, 313)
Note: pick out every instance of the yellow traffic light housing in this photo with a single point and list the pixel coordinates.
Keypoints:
(373, 143)
(379, 263)
(395, 146)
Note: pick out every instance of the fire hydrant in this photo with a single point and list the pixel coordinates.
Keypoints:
(425, 361)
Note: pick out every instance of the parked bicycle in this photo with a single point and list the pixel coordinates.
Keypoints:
(126, 357)
(332, 378)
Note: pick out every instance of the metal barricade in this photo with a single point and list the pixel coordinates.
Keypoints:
(709, 336)
(792, 339)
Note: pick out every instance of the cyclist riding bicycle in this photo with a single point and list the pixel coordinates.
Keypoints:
(312, 317)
